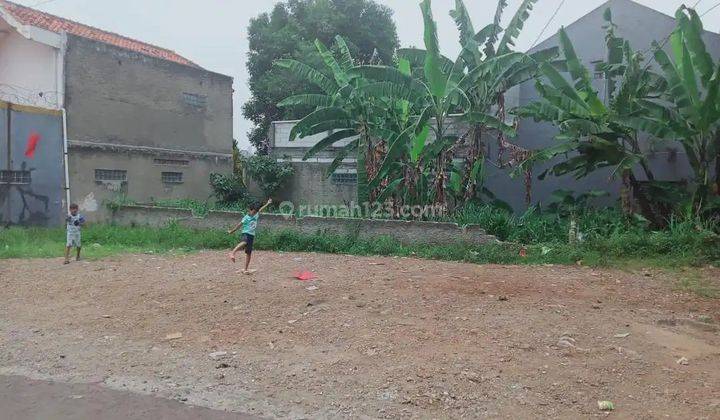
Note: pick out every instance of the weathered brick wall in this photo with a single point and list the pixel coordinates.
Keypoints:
(119, 96)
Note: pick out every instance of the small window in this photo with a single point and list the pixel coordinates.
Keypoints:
(172, 177)
(195, 100)
(171, 162)
(15, 177)
(344, 178)
(110, 175)
(599, 75)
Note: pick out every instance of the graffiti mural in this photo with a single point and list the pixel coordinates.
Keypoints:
(31, 166)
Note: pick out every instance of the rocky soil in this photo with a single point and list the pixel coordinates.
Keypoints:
(368, 338)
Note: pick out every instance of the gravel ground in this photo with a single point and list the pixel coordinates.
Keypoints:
(371, 337)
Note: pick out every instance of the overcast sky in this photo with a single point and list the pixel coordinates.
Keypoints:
(213, 33)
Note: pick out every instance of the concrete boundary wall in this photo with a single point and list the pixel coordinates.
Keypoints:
(406, 232)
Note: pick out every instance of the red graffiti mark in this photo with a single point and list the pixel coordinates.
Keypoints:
(32, 142)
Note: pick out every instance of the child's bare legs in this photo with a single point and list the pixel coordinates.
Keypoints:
(77, 256)
(237, 249)
(247, 261)
(67, 254)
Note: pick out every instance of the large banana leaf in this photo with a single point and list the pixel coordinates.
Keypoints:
(562, 85)
(692, 30)
(391, 90)
(471, 46)
(324, 126)
(329, 141)
(654, 127)
(433, 63)
(580, 75)
(676, 87)
(341, 155)
(308, 73)
(316, 117)
(492, 39)
(485, 33)
(341, 77)
(539, 111)
(310, 99)
(463, 22)
(416, 57)
(711, 107)
(346, 62)
(688, 77)
(418, 144)
(515, 26)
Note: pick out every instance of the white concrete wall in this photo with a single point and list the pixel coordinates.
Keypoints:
(30, 71)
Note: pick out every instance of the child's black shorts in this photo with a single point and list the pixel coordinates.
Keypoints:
(248, 239)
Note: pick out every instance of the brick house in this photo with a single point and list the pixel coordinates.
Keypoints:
(109, 116)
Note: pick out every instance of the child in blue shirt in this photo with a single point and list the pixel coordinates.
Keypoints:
(248, 224)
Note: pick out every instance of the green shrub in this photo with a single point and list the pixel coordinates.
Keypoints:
(268, 172)
(228, 188)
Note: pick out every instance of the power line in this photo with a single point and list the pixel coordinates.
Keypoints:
(548, 23)
(711, 9)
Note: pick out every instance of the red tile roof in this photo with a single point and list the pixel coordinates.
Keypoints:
(32, 17)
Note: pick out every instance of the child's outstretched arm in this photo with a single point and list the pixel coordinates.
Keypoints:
(265, 206)
(233, 230)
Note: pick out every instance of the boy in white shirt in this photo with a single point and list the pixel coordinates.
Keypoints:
(74, 222)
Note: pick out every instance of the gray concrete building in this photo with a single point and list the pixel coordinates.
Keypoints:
(639, 24)
(113, 117)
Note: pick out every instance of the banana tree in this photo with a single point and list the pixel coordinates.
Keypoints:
(437, 88)
(432, 99)
(593, 134)
(488, 58)
(689, 109)
(338, 110)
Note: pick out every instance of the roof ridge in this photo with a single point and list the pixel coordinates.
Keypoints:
(87, 26)
(5, 3)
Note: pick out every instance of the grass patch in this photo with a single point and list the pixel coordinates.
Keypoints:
(665, 249)
(695, 282)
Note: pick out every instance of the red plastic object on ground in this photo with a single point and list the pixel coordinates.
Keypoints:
(305, 275)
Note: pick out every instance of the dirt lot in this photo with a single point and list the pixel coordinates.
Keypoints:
(370, 338)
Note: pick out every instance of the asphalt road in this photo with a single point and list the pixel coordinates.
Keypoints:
(27, 399)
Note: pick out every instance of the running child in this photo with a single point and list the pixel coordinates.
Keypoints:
(74, 222)
(248, 224)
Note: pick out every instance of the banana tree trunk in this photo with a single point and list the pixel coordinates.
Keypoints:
(644, 202)
(717, 165)
(474, 154)
(363, 190)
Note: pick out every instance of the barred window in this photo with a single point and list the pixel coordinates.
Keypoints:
(172, 177)
(15, 177)
(171, 162)
(110, 175)
(344, 178)
(195, 100)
